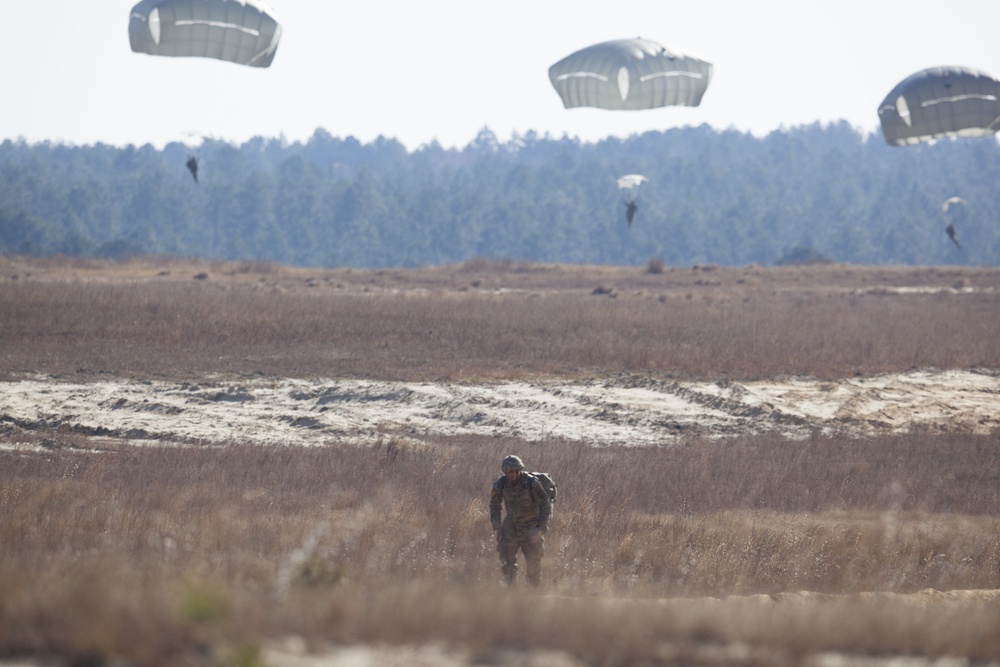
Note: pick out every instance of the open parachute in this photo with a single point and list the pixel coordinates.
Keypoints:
(629, 187)
(630, 74)
(941, 102)
(955, 211)
(953, 206)
(244, 32)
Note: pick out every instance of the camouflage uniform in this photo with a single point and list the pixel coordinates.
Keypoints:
(528, 507)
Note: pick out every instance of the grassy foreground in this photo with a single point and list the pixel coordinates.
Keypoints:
(750, 550)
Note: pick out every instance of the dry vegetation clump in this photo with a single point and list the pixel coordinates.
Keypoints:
(195, 555)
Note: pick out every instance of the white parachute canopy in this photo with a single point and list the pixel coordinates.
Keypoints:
(941, 102)
(630, 74)
(629, 185)
(950, 202)
(244, 32)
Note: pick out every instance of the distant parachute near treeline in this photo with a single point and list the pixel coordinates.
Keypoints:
(629, 187)
(954, 210)
(953, 205)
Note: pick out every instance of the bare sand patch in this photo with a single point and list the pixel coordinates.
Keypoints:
(621, 410)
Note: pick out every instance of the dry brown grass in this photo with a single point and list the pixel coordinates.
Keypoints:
(164, 555)
(491, 320)
(202, 555)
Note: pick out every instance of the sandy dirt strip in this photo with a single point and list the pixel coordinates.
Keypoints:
(622, 410)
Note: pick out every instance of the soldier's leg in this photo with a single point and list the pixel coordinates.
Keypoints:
(507, 548)
(533, 558)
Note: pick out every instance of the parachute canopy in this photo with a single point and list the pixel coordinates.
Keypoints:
(630, 74)
(239, 31)
(941, 102)
(952, 205)
(629, 186)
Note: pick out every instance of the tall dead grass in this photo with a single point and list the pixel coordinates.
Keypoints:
(201, 554)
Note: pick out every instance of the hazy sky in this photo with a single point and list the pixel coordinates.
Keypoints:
(444, 69)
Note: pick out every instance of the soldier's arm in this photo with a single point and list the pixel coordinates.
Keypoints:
(496, 499)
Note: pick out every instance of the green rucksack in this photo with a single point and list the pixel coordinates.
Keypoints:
(548, 484)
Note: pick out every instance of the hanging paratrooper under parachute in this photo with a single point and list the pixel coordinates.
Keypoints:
(629, 186)
(954, 212)
(245, 32)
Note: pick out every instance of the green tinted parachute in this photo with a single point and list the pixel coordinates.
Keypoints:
(941, 102)
(630, 74)
(244, 32)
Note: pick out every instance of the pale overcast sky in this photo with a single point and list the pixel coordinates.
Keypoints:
(444, 69)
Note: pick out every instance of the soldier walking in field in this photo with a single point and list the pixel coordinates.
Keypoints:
(528, 509)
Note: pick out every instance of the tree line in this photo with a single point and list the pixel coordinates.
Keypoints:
(811, 193)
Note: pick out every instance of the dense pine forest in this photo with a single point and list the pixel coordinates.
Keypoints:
(806, 194)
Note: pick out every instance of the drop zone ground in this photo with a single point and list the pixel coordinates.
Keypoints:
(211, 463)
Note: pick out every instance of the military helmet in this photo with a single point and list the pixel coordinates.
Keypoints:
(511, 463)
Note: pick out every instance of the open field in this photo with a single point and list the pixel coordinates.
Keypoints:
(246, 464)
